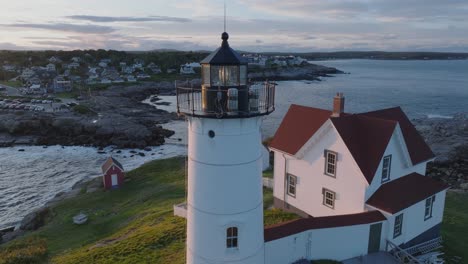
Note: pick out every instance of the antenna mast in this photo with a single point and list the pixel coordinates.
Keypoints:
(224, 15)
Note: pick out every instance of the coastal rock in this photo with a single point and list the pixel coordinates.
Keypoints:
(11, 235)
(36, 219)
(306, 72)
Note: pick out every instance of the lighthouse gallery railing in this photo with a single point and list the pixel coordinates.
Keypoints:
(222, 102)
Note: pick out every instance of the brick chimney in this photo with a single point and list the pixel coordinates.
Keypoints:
(338, 105)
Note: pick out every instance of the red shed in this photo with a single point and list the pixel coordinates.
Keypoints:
(113, 173)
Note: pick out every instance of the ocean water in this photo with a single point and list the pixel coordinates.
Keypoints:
(30, 178)
(434, 89)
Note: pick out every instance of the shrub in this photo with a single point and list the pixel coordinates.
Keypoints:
(31, 250)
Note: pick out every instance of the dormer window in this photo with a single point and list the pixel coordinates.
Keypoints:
(387, 164)
(231, 237)
(330, 163)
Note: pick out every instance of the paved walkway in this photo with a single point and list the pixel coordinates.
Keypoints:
(374, 258)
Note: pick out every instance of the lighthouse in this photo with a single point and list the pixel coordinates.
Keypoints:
(225, 199)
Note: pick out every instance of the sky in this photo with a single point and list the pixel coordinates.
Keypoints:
(253, 25)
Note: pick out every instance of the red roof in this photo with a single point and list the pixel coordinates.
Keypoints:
(297, 127)
(300, 225)
(418, 150)
(366, 135)
(366, 138)
(403, 192)
(109, 162)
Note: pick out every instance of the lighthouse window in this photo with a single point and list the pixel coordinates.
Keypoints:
(211, 134)
(231, 237)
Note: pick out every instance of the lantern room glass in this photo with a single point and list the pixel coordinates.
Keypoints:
(224, 75)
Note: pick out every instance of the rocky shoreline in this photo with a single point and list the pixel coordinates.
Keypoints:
(309, 72)
(116, 117)
(448, 138)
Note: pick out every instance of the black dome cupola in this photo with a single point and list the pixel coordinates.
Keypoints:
(224, 55)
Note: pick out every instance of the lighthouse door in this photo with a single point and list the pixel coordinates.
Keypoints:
(114, 180)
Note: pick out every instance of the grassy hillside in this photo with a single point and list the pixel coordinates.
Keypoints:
(135, 223)
(131, 225)
(455, 226)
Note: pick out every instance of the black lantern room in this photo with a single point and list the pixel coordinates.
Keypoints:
(223, 72)
(225, 91)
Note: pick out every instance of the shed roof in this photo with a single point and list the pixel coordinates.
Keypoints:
(300, 225)
(405, 191)
(109, 162)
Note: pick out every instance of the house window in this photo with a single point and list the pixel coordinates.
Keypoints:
(428, 207)
(231, 237)
(398, 227)
(292, 181)
(387, 163)
(330, 163)
(328, 198)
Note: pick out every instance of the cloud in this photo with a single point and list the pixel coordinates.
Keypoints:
(9, 46)
(108, 19)
(64, 27)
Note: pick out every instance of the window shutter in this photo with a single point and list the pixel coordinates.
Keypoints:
(325, 153)
(433, 198)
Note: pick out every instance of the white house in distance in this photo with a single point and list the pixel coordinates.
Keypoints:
(344, 169)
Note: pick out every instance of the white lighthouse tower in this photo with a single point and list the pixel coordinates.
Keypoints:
(225, 199)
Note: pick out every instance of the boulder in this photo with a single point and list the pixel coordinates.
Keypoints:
(36, 219)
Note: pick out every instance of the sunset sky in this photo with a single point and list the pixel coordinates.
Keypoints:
(256, 25)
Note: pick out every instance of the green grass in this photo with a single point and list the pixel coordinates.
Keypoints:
(133, 224)
(83, 109)
(67, 95)
(455, 226)
(31, 250)
(15, 84)
(268, 173)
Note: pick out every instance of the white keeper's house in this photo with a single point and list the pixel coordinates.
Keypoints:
(340, 169)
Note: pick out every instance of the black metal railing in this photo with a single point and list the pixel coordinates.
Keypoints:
(228, 102)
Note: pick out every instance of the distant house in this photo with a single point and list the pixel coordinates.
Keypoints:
(76, 59)
(143, 76)
(131, 78)
(186, 69)
(113, 173)
(61, 85)
(73, 65)
(54, 59)
(154, 68)
(9, 68)
(27, 74)
(171, 70)
(102, 64)
(50, 67)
